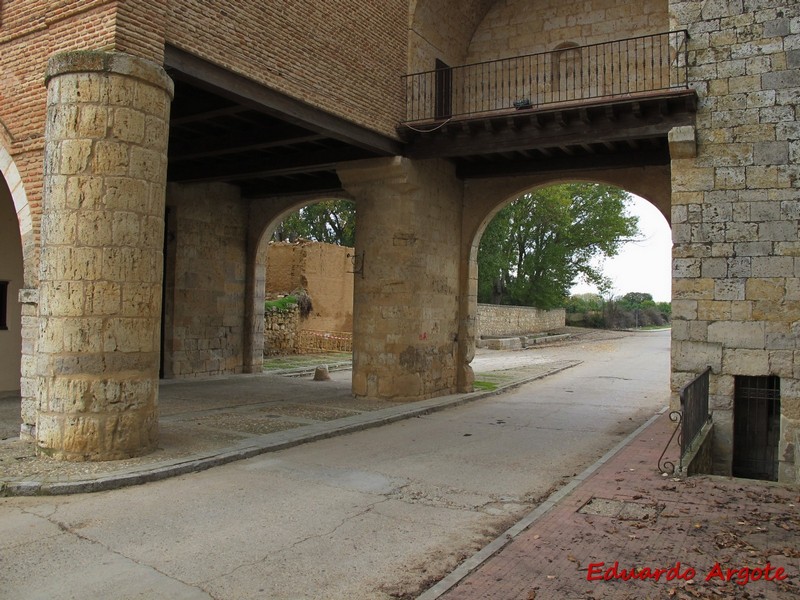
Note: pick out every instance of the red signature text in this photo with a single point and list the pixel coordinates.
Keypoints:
(741, 576)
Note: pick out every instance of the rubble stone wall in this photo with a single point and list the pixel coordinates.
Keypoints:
(280, 331)
(496, 321)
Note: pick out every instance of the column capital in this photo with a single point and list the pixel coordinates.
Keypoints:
(118, 63)
(395, 171)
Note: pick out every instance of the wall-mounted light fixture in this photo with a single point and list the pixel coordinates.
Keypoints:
(358, 263)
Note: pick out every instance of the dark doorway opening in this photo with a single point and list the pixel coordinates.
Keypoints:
(444, 90)
(756, 427)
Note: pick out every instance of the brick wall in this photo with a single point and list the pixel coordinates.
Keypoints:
(498, 321)
(343, 56)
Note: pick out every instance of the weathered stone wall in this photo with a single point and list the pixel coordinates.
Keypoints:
(496, 320)
(324, 271)
(280, 331)
(206, 280)
(736, 212)
(515, 28)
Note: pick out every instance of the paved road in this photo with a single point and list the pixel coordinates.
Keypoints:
(372, 515)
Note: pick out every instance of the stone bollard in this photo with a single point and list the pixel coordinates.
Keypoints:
(321, 373)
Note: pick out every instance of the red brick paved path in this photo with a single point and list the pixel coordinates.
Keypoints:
(700, 521)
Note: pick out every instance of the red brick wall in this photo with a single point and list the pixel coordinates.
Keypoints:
(30, 32)
(343, 56)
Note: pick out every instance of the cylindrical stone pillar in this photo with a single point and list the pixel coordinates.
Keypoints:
(101, 256)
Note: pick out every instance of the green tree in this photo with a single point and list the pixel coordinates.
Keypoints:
(636, 301)
(330, 221)
(548, 239)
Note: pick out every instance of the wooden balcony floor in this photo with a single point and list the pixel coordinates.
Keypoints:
(622, 131)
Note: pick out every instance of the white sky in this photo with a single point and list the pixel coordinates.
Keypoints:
(641, 266)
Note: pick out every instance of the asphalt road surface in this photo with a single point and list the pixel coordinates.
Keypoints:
(373, 515)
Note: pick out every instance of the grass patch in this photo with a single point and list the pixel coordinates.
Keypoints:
(486, 386)
(297, 361)
(281, 303)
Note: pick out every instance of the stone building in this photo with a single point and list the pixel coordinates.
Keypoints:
(148, 149)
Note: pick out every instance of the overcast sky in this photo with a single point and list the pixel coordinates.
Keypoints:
(643, 266)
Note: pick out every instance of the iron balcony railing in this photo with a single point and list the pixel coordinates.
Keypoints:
(569, 73)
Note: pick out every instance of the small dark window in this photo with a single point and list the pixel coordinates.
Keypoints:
(3, 305)
(756, 426)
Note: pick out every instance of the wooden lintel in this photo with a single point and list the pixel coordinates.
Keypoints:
(487, 170)
(477, 142)
(234, 144)
(301, 162)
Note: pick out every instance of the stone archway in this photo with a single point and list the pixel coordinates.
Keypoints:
(265, 216)
(484, 198)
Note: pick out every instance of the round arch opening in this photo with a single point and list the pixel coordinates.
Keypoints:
(307, 257)
(11, 282)
(645, 261)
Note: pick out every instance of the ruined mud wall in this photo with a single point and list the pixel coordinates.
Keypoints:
(324, 271)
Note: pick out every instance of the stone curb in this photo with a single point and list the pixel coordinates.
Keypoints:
(260, 444)
(476, 560)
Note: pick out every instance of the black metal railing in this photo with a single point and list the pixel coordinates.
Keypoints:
(689, 420)
(569, 73)
(694, 405)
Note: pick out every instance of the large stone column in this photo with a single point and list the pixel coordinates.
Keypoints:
(405, 309)
(101, 260)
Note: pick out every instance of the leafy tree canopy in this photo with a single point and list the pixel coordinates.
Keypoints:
(636, 301)
(330, 221)
(538, 246)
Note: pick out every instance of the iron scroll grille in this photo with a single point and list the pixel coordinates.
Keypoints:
(689, 420)
(570, 73)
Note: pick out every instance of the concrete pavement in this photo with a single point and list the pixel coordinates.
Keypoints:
(619, 510)
(209, 422)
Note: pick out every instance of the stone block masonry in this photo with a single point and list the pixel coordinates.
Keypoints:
(205, 281)
(734, 216)
(100, 274)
